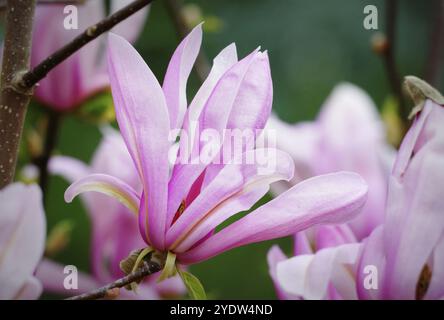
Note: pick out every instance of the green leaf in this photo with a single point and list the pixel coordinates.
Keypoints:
(193, 285)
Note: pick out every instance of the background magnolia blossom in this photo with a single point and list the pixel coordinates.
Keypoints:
(84, 73)
(405, 250)
(22, 241)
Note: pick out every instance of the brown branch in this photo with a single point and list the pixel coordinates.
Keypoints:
(14, 102)
(51, 135)
(148, 268)
(388, 56)
(174, 8)
(30, 78)
(436, 45)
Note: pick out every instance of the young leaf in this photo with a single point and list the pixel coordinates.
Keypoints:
(193, 285)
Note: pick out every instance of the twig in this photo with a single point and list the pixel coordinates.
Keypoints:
(202, 67)
(51, 135)
(436, 45)
(14, 102)
(30, 78)
(148, 268)
(389, 57)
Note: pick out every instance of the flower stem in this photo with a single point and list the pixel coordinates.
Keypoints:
(148, 268)
(51, 135)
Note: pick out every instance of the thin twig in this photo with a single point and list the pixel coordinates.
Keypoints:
(30, 78)
(14, 102)
(174, 8)
(389, 57)
(436, 46)
(148, 268)
(51, 135)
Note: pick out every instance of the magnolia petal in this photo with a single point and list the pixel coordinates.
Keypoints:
(304, 152)
(302, 244)
(330, 198)
(22, 237)
(176, 77)
(31, 290)
(244, 93)
(309, 276)
(332, 236)
(415, 223)
(79, 75)
(108, 185)
(274, 256)
(372, 257)
(143, 119)
(197, 222)
(436, 287)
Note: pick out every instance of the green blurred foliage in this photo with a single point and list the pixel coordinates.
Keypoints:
(312, 45)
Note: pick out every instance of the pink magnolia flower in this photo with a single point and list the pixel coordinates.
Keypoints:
(347, 135)
(84, 73)
(114, 227)
(404, 257)
(22, 241)
(179, 208)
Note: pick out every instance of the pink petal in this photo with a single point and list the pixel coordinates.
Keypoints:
(246, 185)
(22, 236)
(105, 184)
(309, 276)
(303, 147)
(144, 123)
(331, 198)
(372, 254)
(31, 290)
(176, 77)
(78, 76)
(274, 256)
(436, 286)
(352, 138)
(230, 93)
(415, 223)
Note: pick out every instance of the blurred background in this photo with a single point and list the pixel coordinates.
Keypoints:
(312, 45)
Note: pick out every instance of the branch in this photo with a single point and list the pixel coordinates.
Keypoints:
(30, 78)
(51, 135)
(13, 102)
(148, 268)
(389, 57)
(202, 67)
(436, 45)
